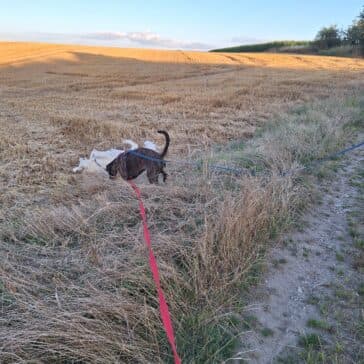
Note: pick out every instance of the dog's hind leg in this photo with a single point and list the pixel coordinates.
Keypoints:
(165, 175)
(152, 176)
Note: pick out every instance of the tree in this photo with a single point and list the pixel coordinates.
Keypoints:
(355, 33)
(328, 37)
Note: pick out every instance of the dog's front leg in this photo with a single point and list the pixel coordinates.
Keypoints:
(123, 170)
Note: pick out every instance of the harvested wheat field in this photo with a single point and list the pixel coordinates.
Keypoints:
(75, 285)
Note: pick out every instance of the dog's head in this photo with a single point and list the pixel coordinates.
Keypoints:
(112, 168)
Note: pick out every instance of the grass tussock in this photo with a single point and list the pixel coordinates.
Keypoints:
(75, 284)
(229, 247)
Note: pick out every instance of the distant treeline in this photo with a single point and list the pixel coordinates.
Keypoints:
(329, 41)
(262, 47)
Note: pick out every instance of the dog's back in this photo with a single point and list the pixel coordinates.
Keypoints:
(141, 159)
(134, 162)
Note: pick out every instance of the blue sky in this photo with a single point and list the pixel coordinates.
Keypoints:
(198, 24)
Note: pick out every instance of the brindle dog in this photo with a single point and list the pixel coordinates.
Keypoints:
(131, 163)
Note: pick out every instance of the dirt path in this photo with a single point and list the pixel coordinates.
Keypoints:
(309, 307)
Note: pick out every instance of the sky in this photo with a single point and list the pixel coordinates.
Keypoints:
(189, 24)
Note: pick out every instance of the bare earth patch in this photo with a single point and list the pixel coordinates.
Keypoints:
(309, 308)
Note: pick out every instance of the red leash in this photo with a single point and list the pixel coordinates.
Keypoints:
(163, 307)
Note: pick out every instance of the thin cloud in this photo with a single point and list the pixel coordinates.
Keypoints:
(118, 39)
(147, 39)
(246, 40)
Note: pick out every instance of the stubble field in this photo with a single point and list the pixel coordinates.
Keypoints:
(74, 279)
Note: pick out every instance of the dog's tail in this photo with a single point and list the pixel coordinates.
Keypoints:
(167, 142)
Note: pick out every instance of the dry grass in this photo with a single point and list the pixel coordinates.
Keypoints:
(16, 53)
(74, 279)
